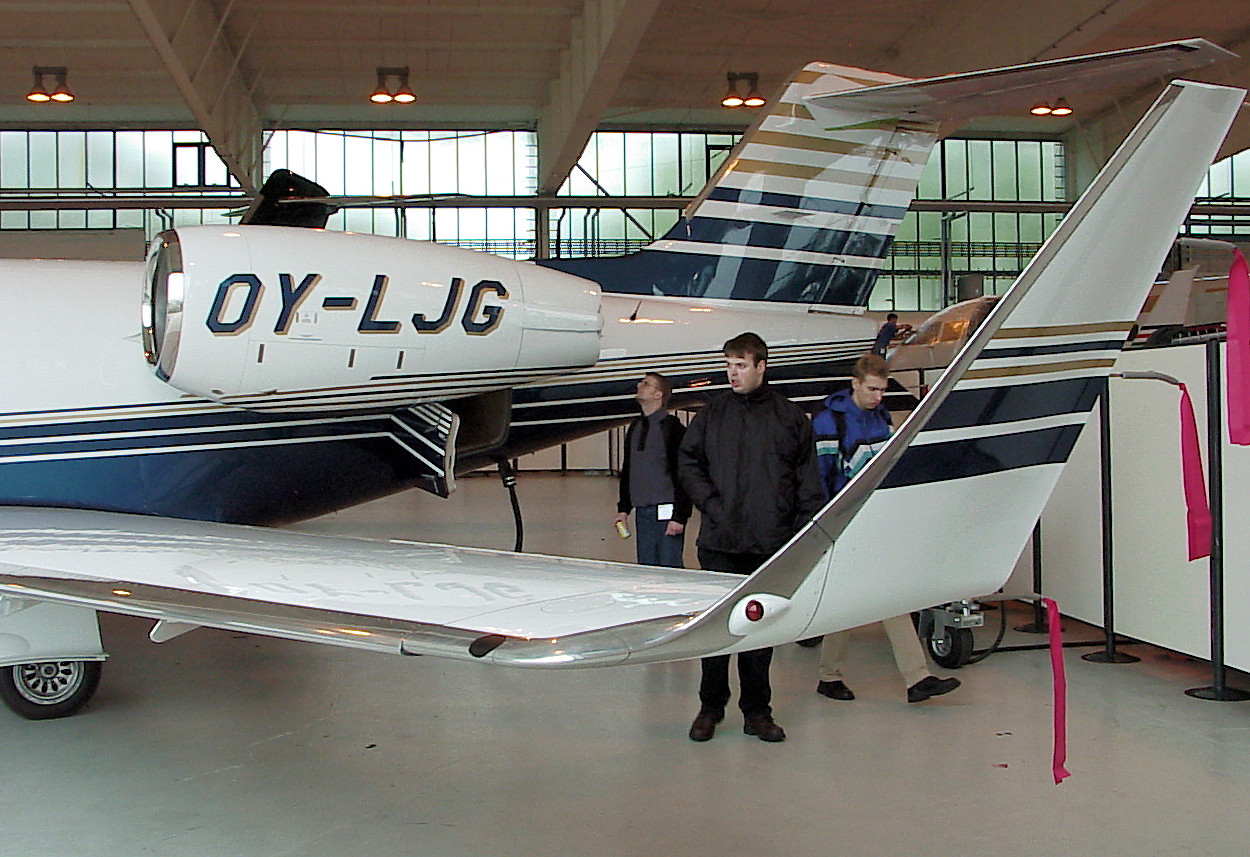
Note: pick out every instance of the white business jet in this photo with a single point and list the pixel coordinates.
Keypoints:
(300, 348)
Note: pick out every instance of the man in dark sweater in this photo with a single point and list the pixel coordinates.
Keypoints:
(748, 461)
(649, 483)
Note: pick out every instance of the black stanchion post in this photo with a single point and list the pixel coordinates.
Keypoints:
(1215, 491)
(1038, 625)
(1108, 655)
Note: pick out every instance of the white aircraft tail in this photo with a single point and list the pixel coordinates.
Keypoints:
(943, 510)
(965, 478)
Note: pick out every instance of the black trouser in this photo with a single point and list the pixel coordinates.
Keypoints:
(756, 692)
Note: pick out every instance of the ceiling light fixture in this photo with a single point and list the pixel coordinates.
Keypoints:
(1043, 108)
(39, 93)
(753, 99)
(734, 98)
(401, 94)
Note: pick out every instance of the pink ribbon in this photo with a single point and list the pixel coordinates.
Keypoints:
(1197, 513)
(1059, 690)
(1238, 349)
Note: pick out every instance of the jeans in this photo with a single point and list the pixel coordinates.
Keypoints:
(654, 547)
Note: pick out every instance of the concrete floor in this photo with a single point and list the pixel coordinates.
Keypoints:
(225, 744)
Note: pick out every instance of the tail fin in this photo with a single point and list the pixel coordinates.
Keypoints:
(806, 207)
(942, 512)
(803, 210)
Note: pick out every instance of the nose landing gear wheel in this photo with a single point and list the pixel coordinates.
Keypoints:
(952, 650)
(49, 690)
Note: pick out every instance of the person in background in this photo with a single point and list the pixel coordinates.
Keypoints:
(889, 331)
(849, 431)
(748, 462)
(649, 483)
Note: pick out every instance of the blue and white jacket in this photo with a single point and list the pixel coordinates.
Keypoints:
(846, 437)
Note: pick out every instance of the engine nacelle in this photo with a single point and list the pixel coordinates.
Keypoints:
(273, 318)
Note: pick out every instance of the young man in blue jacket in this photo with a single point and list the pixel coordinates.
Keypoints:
(853, 426)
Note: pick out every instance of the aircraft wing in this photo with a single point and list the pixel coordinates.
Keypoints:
(956, 97)
(391, 596)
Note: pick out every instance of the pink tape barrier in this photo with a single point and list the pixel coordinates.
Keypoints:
(1238, 349)
(1059, 689)
(1197, 512)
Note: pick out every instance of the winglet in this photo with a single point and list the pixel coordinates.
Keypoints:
(972, 467)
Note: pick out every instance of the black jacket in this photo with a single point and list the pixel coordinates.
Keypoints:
(673, 431)
(748, 461)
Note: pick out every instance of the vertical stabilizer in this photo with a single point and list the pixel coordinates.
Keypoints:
(803, 210)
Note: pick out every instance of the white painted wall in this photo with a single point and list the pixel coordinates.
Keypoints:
(113, 245)
(1160, 597)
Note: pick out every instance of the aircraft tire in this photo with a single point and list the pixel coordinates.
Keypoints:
(49, 690)
(953, 651)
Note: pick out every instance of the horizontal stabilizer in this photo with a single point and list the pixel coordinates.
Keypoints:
(957, 97)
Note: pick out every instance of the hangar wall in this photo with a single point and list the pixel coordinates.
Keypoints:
(113, 245)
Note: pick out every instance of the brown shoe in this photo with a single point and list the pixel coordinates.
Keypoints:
(704, 725)
(763, 727)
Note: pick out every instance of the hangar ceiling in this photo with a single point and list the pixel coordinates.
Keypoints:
(236, 68)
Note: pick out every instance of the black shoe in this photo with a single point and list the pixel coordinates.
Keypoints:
(763, 727)
(835, 690)
(930, 686)
(704, 725)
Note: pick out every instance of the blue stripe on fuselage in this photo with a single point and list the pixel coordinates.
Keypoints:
(805, 203)
(992, 353)
(958, 459)
(1004, 404)
(695, 275)
(777, 236)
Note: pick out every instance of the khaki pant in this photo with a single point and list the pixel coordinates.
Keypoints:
(908, 652)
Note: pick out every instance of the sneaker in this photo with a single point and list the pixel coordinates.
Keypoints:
(835, 690)
(930, 686)
(704, 725)
(763, 727)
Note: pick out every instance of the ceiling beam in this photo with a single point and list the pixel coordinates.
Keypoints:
(991, 33)
(189, 37)
(604, 39)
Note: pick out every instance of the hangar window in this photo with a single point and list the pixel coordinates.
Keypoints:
(1227, 181)
(936, 251)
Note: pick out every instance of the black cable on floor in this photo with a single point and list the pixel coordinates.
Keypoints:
(508, 477)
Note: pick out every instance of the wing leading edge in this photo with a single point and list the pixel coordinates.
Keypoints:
(986, 444)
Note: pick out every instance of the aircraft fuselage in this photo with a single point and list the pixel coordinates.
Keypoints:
(87, 423)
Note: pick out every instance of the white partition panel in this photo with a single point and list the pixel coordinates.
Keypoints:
(1160, 597)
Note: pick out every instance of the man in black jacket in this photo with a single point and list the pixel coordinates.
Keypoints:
(748, 461)
(649, 483)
